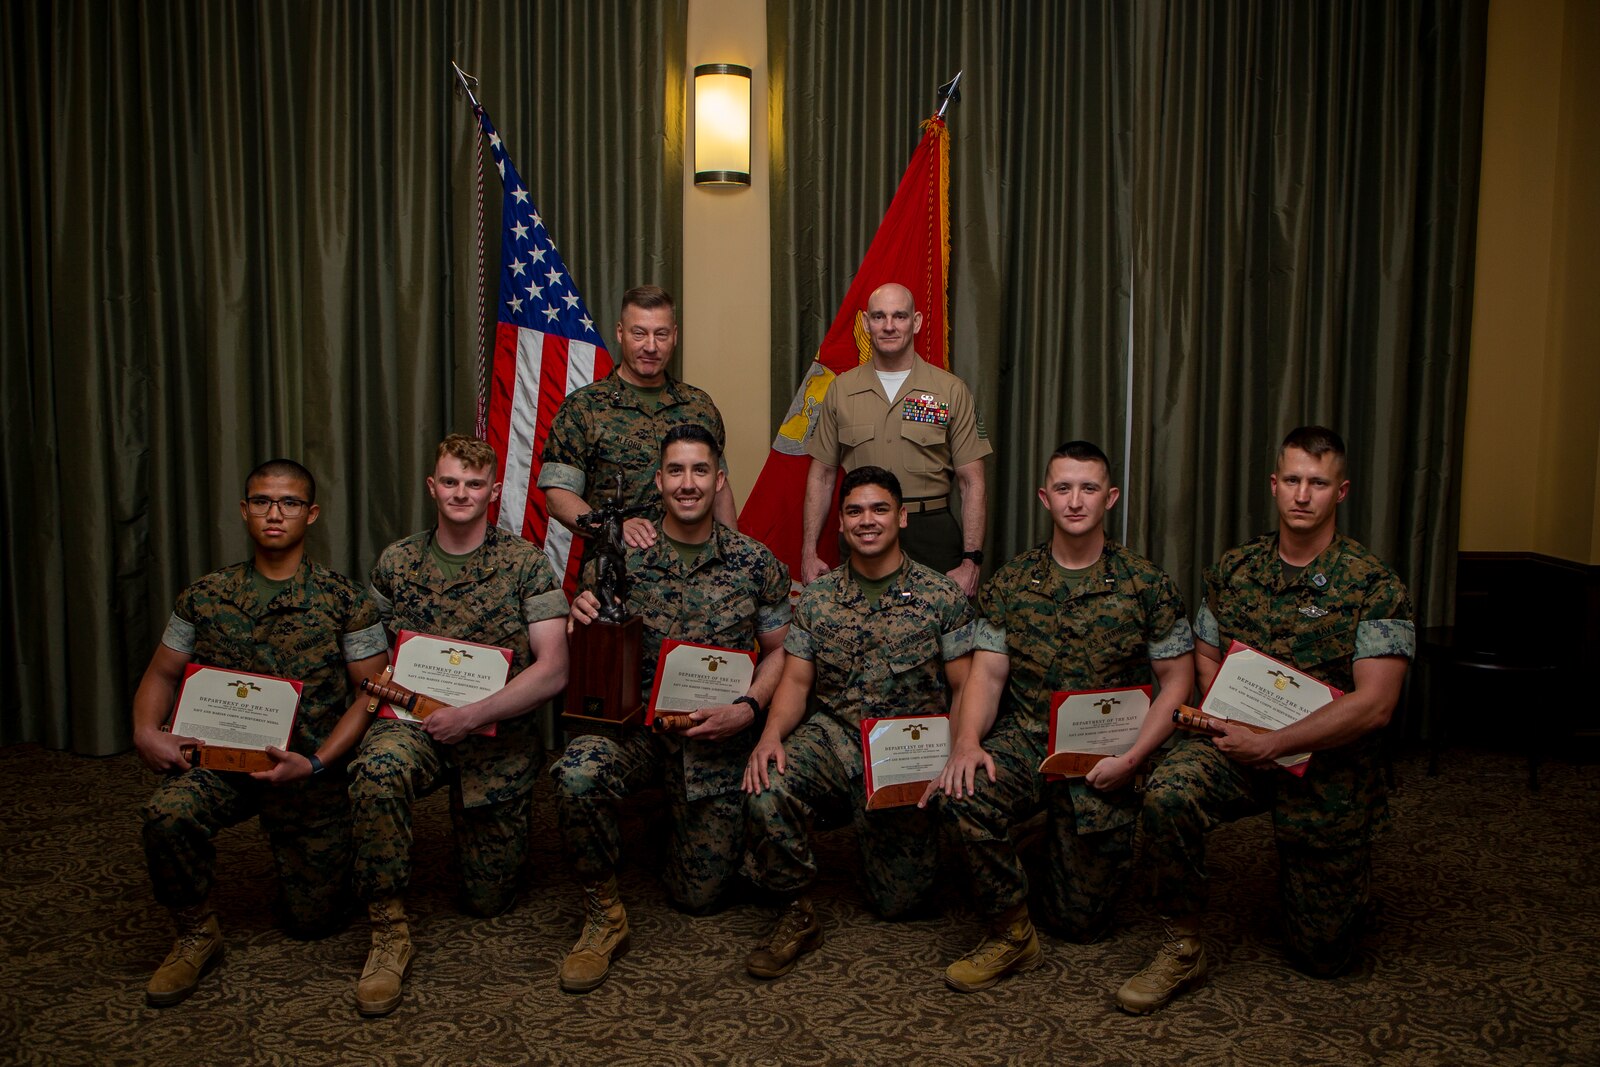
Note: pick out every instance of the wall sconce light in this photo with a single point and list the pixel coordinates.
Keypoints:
(721, 124)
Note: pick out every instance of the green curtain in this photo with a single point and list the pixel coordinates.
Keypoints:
(1039, 192)
(1305, 201)
(1206, 221)
(241, 230)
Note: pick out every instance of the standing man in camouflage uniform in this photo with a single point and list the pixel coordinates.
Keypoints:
(278, 614)
(1079, 612)
(1316, 600)
(614, 426)
(900, 412)
(881, 636)
(462, 579)
(704, 583)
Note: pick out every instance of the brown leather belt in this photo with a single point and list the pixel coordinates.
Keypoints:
(927, 503)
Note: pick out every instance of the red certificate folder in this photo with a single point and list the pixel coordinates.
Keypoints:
(228, 750)
(924, 765)
(1297, 766)
(420, 685)
(712, 652)
(1075, 764)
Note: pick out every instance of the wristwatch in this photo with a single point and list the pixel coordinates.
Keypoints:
(316, 766)
(975, 555)
(755, 705)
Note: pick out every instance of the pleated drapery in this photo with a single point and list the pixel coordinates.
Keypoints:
(1178, 229)
(242, 230)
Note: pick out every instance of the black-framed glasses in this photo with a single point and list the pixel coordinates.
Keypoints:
(291, 507)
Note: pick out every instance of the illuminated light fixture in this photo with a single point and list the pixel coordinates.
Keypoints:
(721, 124)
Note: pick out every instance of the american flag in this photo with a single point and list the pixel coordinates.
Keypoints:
(546, 346)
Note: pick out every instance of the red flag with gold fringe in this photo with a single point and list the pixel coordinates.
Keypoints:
(911, 247)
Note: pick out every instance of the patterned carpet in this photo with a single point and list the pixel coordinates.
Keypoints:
(1485, 952)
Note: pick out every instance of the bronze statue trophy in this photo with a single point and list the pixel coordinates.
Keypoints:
(603, 681)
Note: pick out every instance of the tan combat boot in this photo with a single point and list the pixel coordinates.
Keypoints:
(1179, 964)
(198, 947)
(604, 938)
(797, 931)
(1011, 945)
(378, 991)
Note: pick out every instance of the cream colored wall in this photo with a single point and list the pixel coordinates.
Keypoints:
(1530, 479)
(727, 271)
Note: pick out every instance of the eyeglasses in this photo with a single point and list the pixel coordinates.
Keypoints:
(291, 507)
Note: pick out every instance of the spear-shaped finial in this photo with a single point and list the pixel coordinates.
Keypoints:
(468, 81)
(949, 93)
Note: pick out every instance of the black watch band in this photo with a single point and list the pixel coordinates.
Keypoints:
(316, 766)
(975, 555)
(755, 708)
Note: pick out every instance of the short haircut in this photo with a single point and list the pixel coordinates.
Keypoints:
(1082, 451)
(870, 476)
(473, 452)
(283, 468)
(1314, 441)
(648, 297)
(694, 434)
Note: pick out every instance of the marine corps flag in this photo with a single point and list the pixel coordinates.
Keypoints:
(911, 247)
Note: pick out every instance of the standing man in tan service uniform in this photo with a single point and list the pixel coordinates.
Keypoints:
(900, 412)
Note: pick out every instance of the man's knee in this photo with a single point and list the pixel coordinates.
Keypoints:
(583, 773)
(379, 776)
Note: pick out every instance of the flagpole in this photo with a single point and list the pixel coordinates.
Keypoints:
(481, 423)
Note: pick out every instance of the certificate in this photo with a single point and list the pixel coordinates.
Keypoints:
(450, 670)
(1256, 690)
(902, 754)
(690, 677)
(1088, 725)
(235, 715)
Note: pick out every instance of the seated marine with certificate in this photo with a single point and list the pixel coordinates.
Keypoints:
(1320, 603)
(705, 593)
(246, 635)
(1078, 613)
(879, 636)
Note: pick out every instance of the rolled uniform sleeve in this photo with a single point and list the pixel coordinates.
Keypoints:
(988, 637)
(562, 463)
(1177, 641)
(179, 635)
(959, 642)
(364, 643)
(797, 642)
(773, 610)
(541, 593)
(1386, 637)
(1205, 626)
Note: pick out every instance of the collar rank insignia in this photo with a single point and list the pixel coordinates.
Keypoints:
(925, 408)
(1311, 611)
(1319, 579)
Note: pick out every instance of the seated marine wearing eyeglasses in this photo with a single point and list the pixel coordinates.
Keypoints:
(277, 613)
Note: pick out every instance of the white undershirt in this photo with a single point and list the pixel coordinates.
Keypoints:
(892, 381)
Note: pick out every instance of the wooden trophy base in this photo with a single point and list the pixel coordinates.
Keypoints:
(603, 678)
